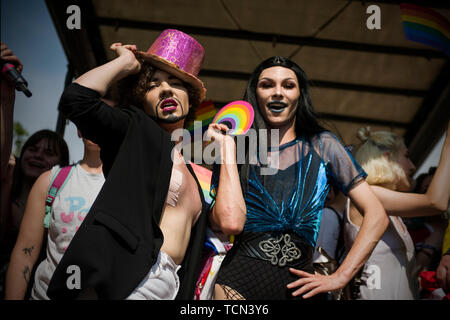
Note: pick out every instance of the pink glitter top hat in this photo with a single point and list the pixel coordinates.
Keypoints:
(179, 54)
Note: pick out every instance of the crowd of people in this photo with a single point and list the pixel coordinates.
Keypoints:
(328, 223)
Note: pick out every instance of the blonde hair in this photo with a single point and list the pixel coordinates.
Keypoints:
(381, 170)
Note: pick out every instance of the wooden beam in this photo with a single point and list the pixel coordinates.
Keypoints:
(342, 117)
(431, 119)
(321, 84)
(83, 47)
(271, 37)
(431, 129)
(61, 122)
(438, 4)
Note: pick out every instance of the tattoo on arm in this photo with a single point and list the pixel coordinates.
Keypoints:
(28, 251)
(27, 274)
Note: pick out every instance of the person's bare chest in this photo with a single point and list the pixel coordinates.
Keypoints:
(183, 194)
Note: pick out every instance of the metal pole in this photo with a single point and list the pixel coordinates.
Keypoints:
(62, 121)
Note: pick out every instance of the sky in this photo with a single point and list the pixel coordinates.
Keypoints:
(27, 29)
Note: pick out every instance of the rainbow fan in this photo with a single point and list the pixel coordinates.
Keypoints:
(237, 115)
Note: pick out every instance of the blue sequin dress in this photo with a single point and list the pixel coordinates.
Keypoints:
(289, 202)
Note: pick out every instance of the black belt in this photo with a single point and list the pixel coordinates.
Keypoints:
(281, 249)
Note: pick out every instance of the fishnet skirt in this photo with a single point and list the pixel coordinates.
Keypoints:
(249, 278)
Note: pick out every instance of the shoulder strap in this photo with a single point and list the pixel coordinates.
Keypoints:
(58, 182)
(200, 191)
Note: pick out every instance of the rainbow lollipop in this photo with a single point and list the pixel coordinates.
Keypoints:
(237, 115)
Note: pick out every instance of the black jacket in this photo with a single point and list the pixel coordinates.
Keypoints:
(119, 240)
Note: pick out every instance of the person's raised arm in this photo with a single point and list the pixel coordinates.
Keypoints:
(81, 101)
(433, 202)
(102, 77)
(29, 242)
(229, 211)
(374, 224)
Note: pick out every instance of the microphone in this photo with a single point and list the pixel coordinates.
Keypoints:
(10, 72)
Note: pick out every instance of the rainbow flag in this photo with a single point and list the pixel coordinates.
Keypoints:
(205, 113)
(426, 26)
(204, 178)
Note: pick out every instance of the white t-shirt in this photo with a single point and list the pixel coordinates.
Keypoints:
(68, 211)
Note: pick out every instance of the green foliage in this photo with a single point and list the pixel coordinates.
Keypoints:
(20, 135)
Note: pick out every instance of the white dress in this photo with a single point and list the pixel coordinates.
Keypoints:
(387, 273)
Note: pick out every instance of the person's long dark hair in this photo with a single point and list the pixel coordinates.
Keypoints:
(56, 142)
(306, 122)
